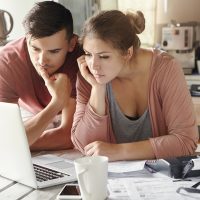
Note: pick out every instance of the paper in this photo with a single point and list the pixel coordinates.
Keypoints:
(117, 190)
(148, 189)
(125, 166)
(47, 159)
(121, 169)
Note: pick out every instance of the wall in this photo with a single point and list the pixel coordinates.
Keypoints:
(179, 10)
(108, 5)
(18, 9)
(148, 9)
(87, 8)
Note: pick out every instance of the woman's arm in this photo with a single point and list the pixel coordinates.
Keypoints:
(173, 122)
(88, 126)
(172, 113)
(141, 150)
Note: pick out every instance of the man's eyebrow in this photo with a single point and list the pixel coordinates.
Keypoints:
(56, 49)
(33, 46)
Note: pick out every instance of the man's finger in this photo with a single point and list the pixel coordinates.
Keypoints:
(44, 75)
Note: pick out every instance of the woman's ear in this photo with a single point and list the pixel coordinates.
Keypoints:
(72, 43)
(129, 53)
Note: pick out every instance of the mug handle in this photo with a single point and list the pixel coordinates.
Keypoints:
(11, 21)
(81, 182)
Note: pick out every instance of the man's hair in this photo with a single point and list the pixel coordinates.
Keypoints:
(46, 18)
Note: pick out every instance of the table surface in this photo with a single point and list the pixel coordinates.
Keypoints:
(10, 190)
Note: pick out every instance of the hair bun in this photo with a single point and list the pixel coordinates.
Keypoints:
(137, 20)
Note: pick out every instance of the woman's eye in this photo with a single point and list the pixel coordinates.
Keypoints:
(104, 57)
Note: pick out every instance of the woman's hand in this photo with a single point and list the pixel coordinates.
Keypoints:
(85, 72)
(98, 92)
(112, 151)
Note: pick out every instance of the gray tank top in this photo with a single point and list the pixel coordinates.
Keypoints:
(125, 129)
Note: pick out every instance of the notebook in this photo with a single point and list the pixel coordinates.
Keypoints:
(16, 161)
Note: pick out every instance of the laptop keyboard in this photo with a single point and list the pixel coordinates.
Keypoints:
(45, 174)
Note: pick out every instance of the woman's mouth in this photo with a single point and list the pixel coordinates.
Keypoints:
(98, 75)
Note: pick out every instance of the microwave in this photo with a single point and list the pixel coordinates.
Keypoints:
(177, 38)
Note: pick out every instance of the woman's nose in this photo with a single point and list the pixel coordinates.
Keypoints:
(95, 64)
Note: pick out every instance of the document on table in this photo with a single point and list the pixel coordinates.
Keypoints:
(122, 169)
(125, 166)
(47, 159)
(148, 189)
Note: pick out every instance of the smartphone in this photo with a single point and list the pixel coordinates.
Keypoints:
(70, 191)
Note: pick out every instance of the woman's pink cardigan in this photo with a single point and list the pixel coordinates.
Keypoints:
(170, 106)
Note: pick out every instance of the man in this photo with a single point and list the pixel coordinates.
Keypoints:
(39, 72)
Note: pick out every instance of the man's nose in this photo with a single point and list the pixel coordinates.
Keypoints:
(42, 59)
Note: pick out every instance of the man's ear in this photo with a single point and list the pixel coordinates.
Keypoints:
(72, 43)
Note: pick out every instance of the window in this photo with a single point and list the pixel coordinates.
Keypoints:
(148, 7)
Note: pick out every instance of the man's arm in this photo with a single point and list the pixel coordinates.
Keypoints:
(59, 87)
(37, 124)
(60, 137)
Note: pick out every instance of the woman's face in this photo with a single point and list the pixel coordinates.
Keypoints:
(104, 62)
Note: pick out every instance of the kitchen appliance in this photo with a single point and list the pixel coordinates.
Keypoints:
(5, 19)
(178, 41)
(177, 38)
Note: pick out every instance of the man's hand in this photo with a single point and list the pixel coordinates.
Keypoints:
(59, 87)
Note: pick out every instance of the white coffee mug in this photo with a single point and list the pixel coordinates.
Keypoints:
(92, 174)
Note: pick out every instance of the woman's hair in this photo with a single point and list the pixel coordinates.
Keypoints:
(116, 28)
(46, 18)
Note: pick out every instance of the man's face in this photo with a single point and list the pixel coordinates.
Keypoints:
(49, 52)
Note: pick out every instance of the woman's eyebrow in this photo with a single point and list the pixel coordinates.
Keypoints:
(98, 52)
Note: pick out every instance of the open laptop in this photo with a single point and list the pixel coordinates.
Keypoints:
(16, 161)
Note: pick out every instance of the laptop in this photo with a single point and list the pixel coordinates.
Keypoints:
(16, 161)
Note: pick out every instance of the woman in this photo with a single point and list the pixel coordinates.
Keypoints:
(132, 103)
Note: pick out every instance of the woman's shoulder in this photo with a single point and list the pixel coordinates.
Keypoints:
(162, 61)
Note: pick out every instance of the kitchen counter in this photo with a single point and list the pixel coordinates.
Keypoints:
(194, 79)
(196, 102)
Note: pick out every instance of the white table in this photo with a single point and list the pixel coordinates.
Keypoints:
(10, 190)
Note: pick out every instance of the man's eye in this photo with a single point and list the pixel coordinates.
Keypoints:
(87, 54)
(35, 49)
(55, 51)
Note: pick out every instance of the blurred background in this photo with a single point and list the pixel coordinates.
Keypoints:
(171, 25)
